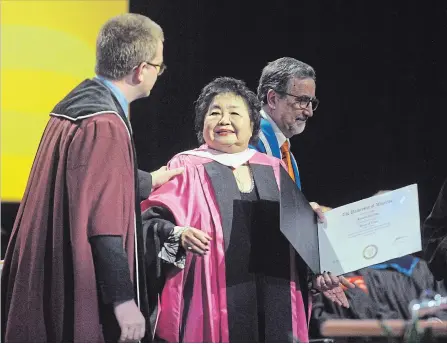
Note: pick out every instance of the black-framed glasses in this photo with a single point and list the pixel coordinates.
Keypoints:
(303, 101)
(160, 67)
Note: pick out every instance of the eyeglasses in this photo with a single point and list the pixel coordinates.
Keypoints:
(303, 101)
(160, 67)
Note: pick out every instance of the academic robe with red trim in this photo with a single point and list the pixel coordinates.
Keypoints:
(190, 304)
(82, 184)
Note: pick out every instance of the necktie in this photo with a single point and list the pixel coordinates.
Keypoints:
(285, 152)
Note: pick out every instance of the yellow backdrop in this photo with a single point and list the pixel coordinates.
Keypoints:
(47, 48)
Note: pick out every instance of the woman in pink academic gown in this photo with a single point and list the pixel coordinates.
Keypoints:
(220, 269)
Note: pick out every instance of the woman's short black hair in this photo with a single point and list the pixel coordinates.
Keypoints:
(223, 85)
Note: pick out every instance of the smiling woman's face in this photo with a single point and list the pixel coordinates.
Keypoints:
(227, 126)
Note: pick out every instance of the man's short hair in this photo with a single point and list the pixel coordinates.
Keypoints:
(124, 42)
(277, 74)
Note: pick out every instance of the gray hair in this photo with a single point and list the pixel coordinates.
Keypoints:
(124, 42)
(277, 74)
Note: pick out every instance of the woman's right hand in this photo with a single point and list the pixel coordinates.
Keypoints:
(195, 241)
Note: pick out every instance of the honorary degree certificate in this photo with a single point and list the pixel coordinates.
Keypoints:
(370, 231)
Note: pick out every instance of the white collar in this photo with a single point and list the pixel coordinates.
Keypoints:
(280, 137)
(228, 159)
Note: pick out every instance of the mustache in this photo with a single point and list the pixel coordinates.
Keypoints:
(302, 118)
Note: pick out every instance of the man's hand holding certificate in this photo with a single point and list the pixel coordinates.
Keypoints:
(370, 231)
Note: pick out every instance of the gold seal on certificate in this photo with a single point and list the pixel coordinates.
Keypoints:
(370, 251)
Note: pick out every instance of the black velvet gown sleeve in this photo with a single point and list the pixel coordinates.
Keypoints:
(435, 236)
(110, 259)
(112, 269)
(160, 220)
(145, 184)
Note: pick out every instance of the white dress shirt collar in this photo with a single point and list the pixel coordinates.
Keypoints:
(280, 137)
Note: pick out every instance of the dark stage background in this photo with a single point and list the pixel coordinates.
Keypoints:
(381, 79)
